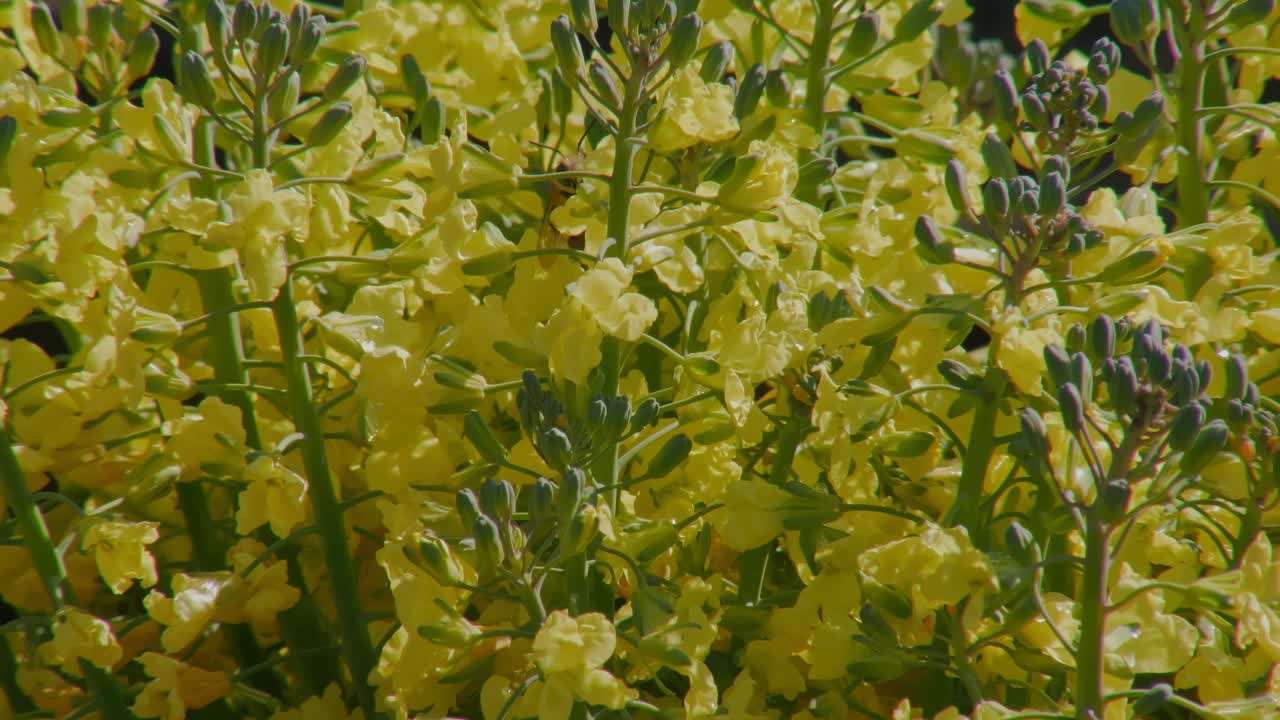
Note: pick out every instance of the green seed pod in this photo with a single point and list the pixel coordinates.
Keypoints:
(1035, 432)
(1102, 338)
(918, 18)
(309, 39)
(931, 247)
(645, 415)
(142, 53)
(1022, 545)
(347, 75)
(468, 506)
(497, 499)
(489, 551)
(1113, 501)
(717, 61)
(1134, 22)
(215, 23)
(573, 483)
(8, 135)
(673, 452)
(1154, 701)
(1053, 195)
(330, 124)
(284, 97)
(556, 448)
(481, 436)
(957, 186)
(1186, 425)
(1211, 440)
(546, 103)
(244, 20)
(863, 37)
(604, 83)
(684, 41)
(1237, 376)
(749, 91)
(998, 158)
(585, 20)
(274, 48)
(1072, 407)
(195, 80)
(568, 51)
(777, 88)
(46, 32)
(995, 200)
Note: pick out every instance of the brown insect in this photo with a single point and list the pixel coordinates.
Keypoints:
(558, 193)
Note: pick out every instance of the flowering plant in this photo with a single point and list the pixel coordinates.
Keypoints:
(649, 358)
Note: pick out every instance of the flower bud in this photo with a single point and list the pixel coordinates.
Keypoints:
(1053, 194)
(584, 16)
(489, 550)
(173, 144)
(1134, 22)
(1113, 500)
(72, 117)
(617, 415)
(1159, 365)
(308, 41)
(1237, 377)
(863, 37)
(573, 484)
(684, 41)
(195, 82)
(8, 134)
(431, 555)
(347, 75)
(414, 81)
(1137, 264)
(433, 121)
(1249, 12)
(925, 146)
(1034, 109)
(1122, 386)
(717, 61)
(542, 503)
(905, 444)
(497, 499)
(1022, 544)
(1186, 425)
(930, 245)
(1058, 362)
(918, 18)
(244, 20)
(1072, 407)
(673, 452)
(556, 448)
(876, 626)
(1005, 96)
(1082, 374)
(1102, 337)
(451, 631)
(579, 531)
(958, 374)
(481, 436)
(99, 25)
(1211, 440)
(468, 506)
(142, 53)
(274, 48)
(1186, 384)
(1100, 69)
(215, 23)
(284, 96)
(777, 89)
(330, 124)
(645, 415)
(998, 158)
(568, 51)
(604, 83)
(1034, 430)
(749, 91)
(1154, 701)
(46, 32)
(1037, 56)
(995, 199)
(957, 186)
(620, 19)
(74, 19)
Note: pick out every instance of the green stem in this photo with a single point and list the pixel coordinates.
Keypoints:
(977, 458)
(324, 500)
(1093, 620)
(815, 89)
(1193, 200)
(754, 564)
(18, 701)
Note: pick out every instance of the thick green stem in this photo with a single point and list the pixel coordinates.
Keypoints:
(1093, 619)
(324, 500)
(1193, 190)
(815, 89)
(977, 457)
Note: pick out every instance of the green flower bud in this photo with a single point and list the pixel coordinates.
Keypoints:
(169, 382)
(568, 51)
(617, 416)
(1137, 264)
(606, 86)
(749, 91)
(1250, 12)
(195, 82)
(215, 23)
(1082, 375)
(743, 166)
(998, 158)
(432, 556)
(863, 37)
(74, 19)
(1153, 701)
(925, 146)
(8, 135)
(481, 436)
(1072, 407)
(959, 374)
(573, 483)
(579, 531)
(1211, 440)
(497, 499)
(433, 121)
(414, 81)
(1053, 194)
(308, 41)
(46, 32)
(174, 144)
(1113, 501)
(1146, 116)
(1122, 386)
(142, 53)
(1186, 425)
(620, 18)
(658, 648)
(546, 102)
(99, 25)
(284, 96)
(542, 503)
(450, 632)
(1037, 56)
(684, 41)
(1035, 432)
(1022, 544)
(330, 124)
(490, 553)
(889, 599)
(1005, 96)
(814, 173)
(931, 247)
(717, 61)
(584, 16)
(1058, 362)
(905, 444)
(154, 328)
(645, 415)
(918, 18)
(995, 200)
(468, 506)
(347, 75)
(957, 186)
(1102, 337)
(493, 263)
(1035, 111)
(1237, 376)
(244, 20)
(78, 117)
(673, 452)
(556, 448)
(777, 88)
(298, 18)
(274, 48)
(1134, 22)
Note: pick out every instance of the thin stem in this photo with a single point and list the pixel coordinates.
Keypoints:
(1093, 622)
(815, 90)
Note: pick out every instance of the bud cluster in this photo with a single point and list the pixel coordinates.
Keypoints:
(1059, 104)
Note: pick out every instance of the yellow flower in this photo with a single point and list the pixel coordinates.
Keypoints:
(570, 653)
(692, 112)
(261, 216)
(210, 440)
(329, 706)
(769, 181)
(602, 290)
(937, 567)
(750, 517)
(275, 495)
(120, 549)
(77, 635)
(177, 687)
(260, 598)
(574, 339)
(189, 611)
